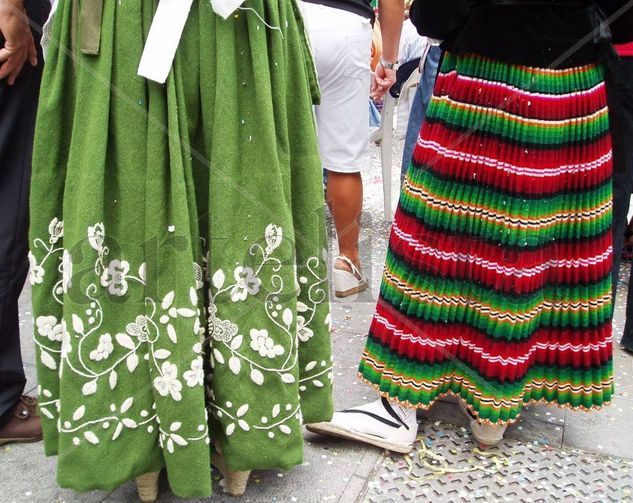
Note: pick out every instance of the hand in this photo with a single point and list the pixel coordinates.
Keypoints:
(19, 45)
(381, 81)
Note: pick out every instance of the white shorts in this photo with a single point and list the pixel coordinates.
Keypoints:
(341, 42)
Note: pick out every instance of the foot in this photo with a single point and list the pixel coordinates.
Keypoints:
(488, 435)
(348, 279)
(24, 424)
(234, 482)
(378, 423)
(147, 487)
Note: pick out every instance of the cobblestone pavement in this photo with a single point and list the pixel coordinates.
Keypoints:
(549, 455)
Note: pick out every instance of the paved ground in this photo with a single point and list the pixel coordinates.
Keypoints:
(549, 455)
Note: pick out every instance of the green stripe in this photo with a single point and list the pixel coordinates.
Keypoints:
(536, 81)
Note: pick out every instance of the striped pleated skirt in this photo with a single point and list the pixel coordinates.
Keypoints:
(497, 284)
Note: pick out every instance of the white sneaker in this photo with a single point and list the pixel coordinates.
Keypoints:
(486, 434)
(347, 283)
(378, 423)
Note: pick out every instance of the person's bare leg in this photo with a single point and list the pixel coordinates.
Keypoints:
(344, 196)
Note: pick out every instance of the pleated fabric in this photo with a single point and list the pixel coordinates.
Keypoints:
(497, 285)
(177, 249)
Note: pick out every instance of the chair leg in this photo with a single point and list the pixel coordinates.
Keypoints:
(236, 482)
(147, 486)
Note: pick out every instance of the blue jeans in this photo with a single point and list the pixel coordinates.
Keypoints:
(620, 94)
(420, 104)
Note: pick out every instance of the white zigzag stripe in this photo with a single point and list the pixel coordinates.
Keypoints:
(458, 341)
(524, 272)
(510, 168)
(523, 92)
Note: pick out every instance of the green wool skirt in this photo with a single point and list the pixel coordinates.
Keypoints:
(178, 248)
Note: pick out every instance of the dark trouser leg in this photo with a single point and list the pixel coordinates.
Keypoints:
(620, 89)
(18, 105)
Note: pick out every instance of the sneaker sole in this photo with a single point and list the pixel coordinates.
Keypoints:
(346, 293)
(4, 441)
(334, 431)
(486, 441)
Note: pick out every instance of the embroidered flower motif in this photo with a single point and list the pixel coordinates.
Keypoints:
(67, 271)
(139, 329)
(47, 326)
(245, 283)
(113, 277)
(104, 349)
(55, 230)
(195, 376)
(36, 272)
(303, 332)
(220, 330)
(167, 383)
(96, 236)
(274, 235)
(264, 345)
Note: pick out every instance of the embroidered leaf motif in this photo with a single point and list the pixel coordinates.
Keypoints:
(162, 354)
(78, 325)
(91, 437)
(125, 406)
(117, 431)
(47, 413)
(179, 440)
(79, 413)
(236, 343)
(175, 426)
(141, 272)
(285, 429)
(218, 356)
(132, 362)
(168, 300)
(193, 296)
(89, 388)
(47, 360)
(287, 317)
(113, 379)
(276, 410)
(317, 383)
(288, 378)
(129, 423)
(218, 279)
(242, 410)
(125, 340)
(170, 446)
(310, 366)
(301, 307)
(171, 333)
(257, 377)
(235, 365)
(244, 425)
(230, 429)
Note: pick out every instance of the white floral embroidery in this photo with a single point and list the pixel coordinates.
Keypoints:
(167, 383)
(138, 328)
(96, 236)
(246, 283)
(220, 330)
(264, 344)
(304, 333)
(67, 271)
(66, 340)
(36, 272)
(114, 277)
(274, 236)
(47, 326)
(104, 349)
(55, 230)
(195, 376)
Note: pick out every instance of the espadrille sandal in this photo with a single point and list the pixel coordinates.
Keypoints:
(348, 283)
(147, 487)
(488, 435)
(235, 482)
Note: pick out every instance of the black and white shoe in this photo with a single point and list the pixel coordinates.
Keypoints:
(378, 423)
